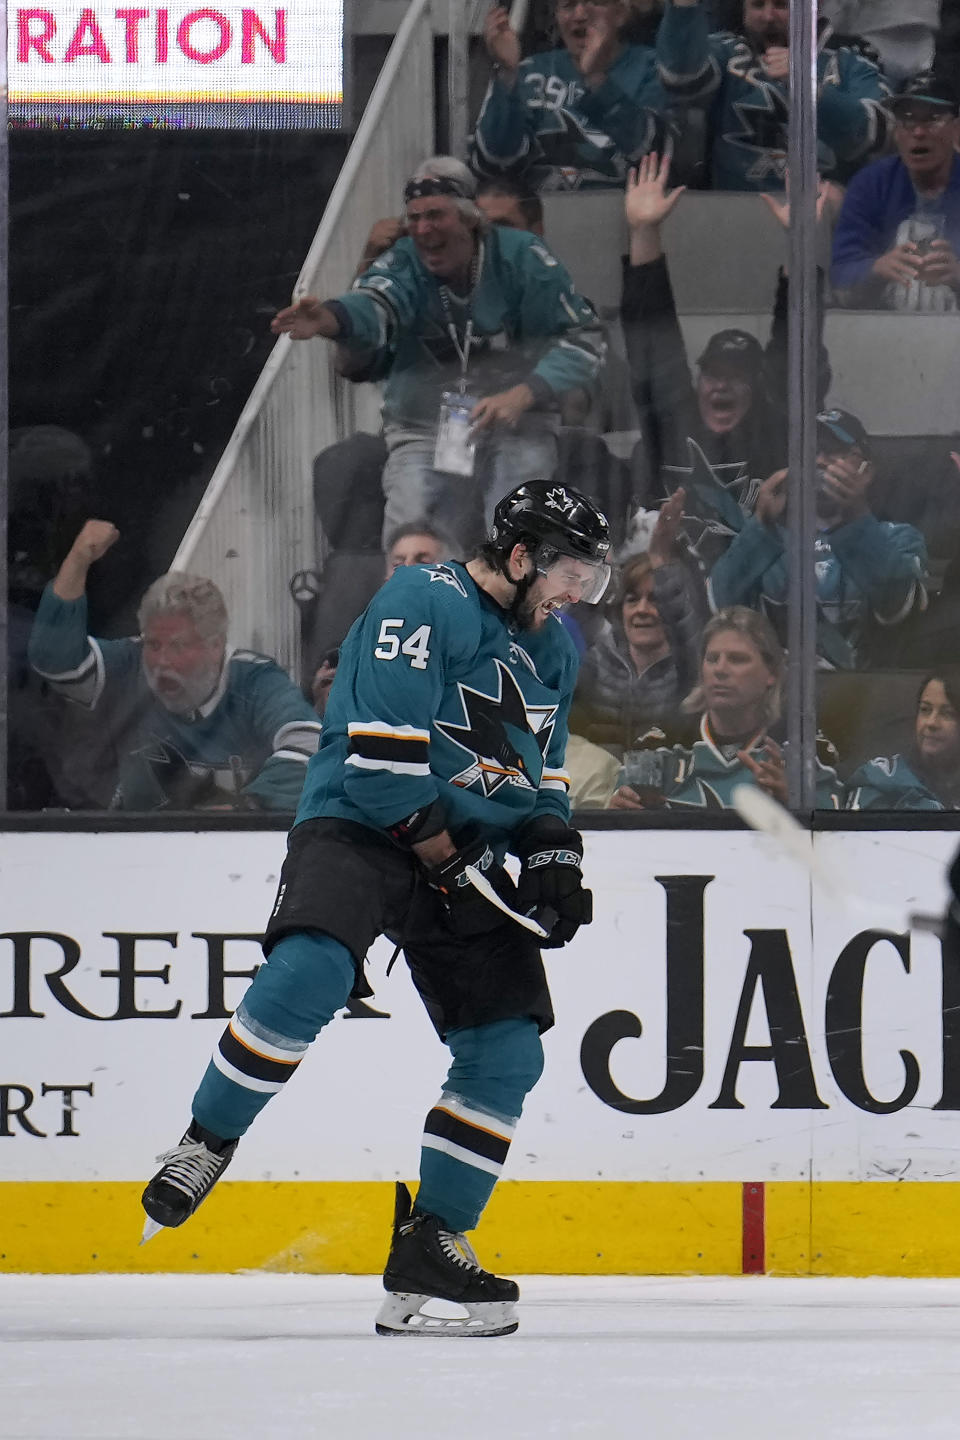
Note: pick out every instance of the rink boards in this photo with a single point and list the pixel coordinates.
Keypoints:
(744, 1076)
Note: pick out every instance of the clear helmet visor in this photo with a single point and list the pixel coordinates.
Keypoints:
(573, 580)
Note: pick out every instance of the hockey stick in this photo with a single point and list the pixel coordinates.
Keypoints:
(761, 812)
(481, 883)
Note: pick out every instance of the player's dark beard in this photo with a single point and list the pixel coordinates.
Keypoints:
(518, 612)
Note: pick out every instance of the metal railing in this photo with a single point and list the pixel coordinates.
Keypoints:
(254, 528)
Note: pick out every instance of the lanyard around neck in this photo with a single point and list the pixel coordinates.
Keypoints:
(463, 350)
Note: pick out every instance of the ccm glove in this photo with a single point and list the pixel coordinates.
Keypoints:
(551, 882)
(468, 912)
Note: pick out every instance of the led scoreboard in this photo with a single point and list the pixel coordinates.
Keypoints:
(177, 65)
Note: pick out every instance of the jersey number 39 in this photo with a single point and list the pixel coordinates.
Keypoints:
(416, 646)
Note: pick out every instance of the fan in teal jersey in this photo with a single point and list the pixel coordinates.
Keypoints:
(480, 333)
(187, 720)
(735, 710)
(870, 573)
(744, 78)
(443, 749)
(572, 118)
(927, 777)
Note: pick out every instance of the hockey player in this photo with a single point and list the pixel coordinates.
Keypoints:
(443, 748)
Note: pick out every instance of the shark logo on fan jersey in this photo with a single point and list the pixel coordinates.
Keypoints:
(704, 797)
(566, 143)
(764, 120)
(158, 774)
(754, 126)
(493, 736)
(719, 499)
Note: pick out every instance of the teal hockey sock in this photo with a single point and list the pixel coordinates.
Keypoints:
(467, 1134)
(296, 991)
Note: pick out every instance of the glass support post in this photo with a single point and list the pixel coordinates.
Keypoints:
(4, 401)
(458, 76)
(802, 408)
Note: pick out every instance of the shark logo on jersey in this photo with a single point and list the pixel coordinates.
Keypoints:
(567, 150)
(707, 799)
(161, 770)
(565, 144)
(764, 122)
(448, 576)
(495, 759)
(719, 499)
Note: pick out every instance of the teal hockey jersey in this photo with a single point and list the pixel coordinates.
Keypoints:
(749, 112)
(528, 324)
(550, 132)
(867, 571)
(703, 775)
(438, 696)
(250, 739)
(890, 782)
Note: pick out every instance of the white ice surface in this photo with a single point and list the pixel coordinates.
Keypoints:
(292, 1357)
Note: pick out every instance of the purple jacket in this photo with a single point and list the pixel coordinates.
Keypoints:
(878, 199)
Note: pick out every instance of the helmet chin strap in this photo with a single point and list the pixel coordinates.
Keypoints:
(521, 586)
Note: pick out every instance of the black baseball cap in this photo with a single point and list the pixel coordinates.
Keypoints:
(926, 89)
(839, 430)
(733, 352)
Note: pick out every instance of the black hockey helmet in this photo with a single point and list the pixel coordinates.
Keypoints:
(554, 519)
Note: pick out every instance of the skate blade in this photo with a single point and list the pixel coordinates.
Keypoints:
(403, 1314)
(150, 1228)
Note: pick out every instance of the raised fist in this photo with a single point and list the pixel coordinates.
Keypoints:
(94, 540)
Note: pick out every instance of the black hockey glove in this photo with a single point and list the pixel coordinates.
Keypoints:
(551, 883)
(950, 931)
(468, 911)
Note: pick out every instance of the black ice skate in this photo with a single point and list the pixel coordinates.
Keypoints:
(190, 1172)
(429, 1263)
